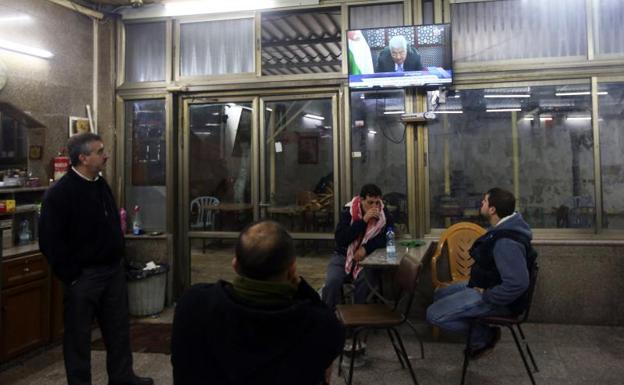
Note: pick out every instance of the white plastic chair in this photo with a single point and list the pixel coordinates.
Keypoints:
(204, 210)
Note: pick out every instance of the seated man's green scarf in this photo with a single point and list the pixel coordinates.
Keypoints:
(263, 292)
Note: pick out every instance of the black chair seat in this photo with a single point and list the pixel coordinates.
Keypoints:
(501, 320)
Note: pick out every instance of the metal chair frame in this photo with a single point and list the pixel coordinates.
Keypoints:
(405, 284)
(509, 322)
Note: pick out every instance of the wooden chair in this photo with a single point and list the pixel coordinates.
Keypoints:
(360, 317)
(457, 239)
(509, 322)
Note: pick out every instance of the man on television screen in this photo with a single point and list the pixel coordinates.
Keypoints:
(398, 57)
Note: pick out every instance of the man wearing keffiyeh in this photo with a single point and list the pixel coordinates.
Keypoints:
(361, 230)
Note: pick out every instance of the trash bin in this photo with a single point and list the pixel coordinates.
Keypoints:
(146, 289)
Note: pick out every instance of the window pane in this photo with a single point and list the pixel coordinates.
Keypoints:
(610, 36)
(540, 134)
(373, 16)
(301, 42)
(145, 173)
(217, 47)
(220, 166)
(502, 30)
(13, 141)
(300, 164)
(612, 153)
(145, 52)
(378, 148)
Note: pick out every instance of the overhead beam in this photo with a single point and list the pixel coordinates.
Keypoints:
(78, 8)
(285, 42)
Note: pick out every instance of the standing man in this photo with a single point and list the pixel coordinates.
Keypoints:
(361, 230)
(499, 278)
(80, 234)
(266, 327)
(398, 57)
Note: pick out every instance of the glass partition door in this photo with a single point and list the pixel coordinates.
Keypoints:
(219, 166)
(298, 165)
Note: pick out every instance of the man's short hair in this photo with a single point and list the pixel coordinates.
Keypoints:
(79, 144)
(398, 41)
(503, 200)
(370, 190)
(264, 250)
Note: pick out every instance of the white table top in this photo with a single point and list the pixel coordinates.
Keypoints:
(378, 257)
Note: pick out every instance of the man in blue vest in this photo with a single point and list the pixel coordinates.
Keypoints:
(499, 278)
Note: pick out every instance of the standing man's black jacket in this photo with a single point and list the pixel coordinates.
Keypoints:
(79, 226)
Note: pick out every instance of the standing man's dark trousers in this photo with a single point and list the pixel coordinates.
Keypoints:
(100, 292)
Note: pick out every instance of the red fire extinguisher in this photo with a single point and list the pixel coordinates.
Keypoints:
(61, 164)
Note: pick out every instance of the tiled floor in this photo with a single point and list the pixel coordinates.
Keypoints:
(568, 355)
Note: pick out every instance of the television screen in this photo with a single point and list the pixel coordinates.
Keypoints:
(403, 56)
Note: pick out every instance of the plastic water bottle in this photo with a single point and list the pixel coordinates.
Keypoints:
(390, 246)
(136, 221)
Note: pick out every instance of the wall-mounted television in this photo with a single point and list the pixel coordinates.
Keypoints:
(402, 56)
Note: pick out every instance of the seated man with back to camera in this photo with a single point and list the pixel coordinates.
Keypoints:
(499, 278)
(361, 230)
(267, 327)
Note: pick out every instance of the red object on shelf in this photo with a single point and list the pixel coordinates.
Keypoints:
(61, 164)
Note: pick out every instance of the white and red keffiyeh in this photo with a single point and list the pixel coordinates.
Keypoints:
(373, 228)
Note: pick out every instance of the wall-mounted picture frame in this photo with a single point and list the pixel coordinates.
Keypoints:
(308, 149)
(35, 152)
(78, 125)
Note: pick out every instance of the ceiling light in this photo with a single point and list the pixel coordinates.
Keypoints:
(8, 19)
(20, 48)
(578, 118)
(269, 109)
(528, 118)
(394, 112)
(448, 112)
(579, 93)
(198, 6)
(504, 110)
(499, 96)
(312, 116)
(372, 132)
(546, 118)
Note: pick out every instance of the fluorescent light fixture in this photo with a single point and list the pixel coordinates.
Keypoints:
(246, 108)
(20, 48)
(394, 112)
(449, 112)
(212, 6)
(312, 116)
(500, 96)
(528, 117)
(372, 132)
(362, 96)
(578, 118)
(269, 109)
(579, 93)
(8, 19)
(503, 110)
(546, 118)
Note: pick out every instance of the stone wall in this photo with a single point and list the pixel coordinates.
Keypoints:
(51, 90)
